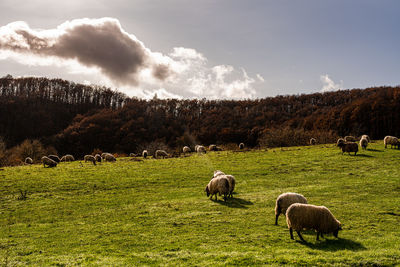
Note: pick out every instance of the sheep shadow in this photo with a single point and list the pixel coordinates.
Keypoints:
(334, 244)
(374, 150)
(235, 202)
(365, 156)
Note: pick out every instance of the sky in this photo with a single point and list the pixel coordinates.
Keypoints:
(225, 49)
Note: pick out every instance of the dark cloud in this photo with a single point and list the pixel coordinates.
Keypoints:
(98, 43)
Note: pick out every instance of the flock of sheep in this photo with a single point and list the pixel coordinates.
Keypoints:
(299, 214)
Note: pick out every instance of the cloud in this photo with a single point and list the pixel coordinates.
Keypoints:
(102, 46)
(329, 84)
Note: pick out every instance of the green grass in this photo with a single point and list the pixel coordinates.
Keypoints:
(156, 212)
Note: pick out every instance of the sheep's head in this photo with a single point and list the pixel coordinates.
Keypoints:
(207, 191)
(336, 232)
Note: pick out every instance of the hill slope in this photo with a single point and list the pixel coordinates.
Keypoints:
(156, 211)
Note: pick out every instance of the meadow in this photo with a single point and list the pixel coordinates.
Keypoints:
(156, 212)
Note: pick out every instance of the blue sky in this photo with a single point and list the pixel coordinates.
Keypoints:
(228, 48)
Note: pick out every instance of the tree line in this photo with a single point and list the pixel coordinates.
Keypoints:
(75, 118)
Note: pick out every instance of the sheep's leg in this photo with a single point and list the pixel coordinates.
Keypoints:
(317, 236)
(276, 218)
(225, 198)
(291, 233)
(298, 233)
(322, 235)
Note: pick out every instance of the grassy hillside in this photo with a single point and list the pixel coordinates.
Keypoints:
(156, 212)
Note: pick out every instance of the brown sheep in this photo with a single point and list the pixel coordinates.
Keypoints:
(212, 148)
(349, 147)
(160, 154)
(54, 157)
(313, 141)
(97, 157)
(67, 157)
(350, 138)
(49, 162)
(90, 158)
(218, 185)
(392, 141)
(304, 216)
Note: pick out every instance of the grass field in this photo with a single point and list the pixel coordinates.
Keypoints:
(155, 212)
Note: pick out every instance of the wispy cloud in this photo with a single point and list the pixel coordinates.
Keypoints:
(329, 84)
(103, 47)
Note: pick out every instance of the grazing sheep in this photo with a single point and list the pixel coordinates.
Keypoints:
(49, 162)
(218, 185)
(349, 147)
(212, 148)
(28, 160)
(132, 155)
(392, 141)
(366, 137)
(284, 201)
(241, 146)
(231, 179)
(350, 138)
(109, 157)
(304, 216)
(145, 153)
(97, 157)
(313, 141)
(339, 142)
(364, 143)
(67, 157)
(201, 149)
(186, 149)
(90, 158)
(54, 157)
(160, 154)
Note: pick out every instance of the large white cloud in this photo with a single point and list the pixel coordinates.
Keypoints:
(329, 84)
(103, 49)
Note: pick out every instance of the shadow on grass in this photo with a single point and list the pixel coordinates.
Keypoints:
(235, 202)
(364, 156)
(375, 150)
(334, 244)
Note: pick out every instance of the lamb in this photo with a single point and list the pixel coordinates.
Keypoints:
(364, 143)
(392, 141)
(213, 148)
(350, 138)
(284, 201)
(241, 146)
(160, 154)
(90, 158)
(313, 141)
(54, 157)
(218, 185)
(145, 153)
(366, 137)
(305, 216)
(201, 149)
(186, 149)
(109, 157)
(28, 160)
(97, 157)
(67, 157)
(49, 162)
(349, 147)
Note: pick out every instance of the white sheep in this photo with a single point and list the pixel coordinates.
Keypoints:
(231, 179)
(145, 154)
(186, 149)
(305, 216)
(218, 185)
(90, 158)
(241, 146)
(364, 143)
(28, 160)
(392, 141)
(366, 137)
(67, 157)
(160, 154)
(313, 141)
(48, 161)
(201, 149)
(54, 157)
(283, 202)
(109, 157)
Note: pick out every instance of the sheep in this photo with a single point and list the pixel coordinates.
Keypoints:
(218, 185)
(231, 180)
(160, 154)
(284, 201)
(54, 157)
(49, 162)
(186, 149)
(313, 141)
(67, 157)
(301, 216)
(109, 157)
(132, 155)
(392, 141)
(97, 157)
(145, 154)
(213, 148)
(339, 142)
(350, 138)
(201, 149)
(349, 147)
(366, 137)
(364, 143)
(28, 160)
(90, 158)
(103, 155)
(241, 146)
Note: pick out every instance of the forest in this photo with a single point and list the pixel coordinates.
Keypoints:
(79, 119)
